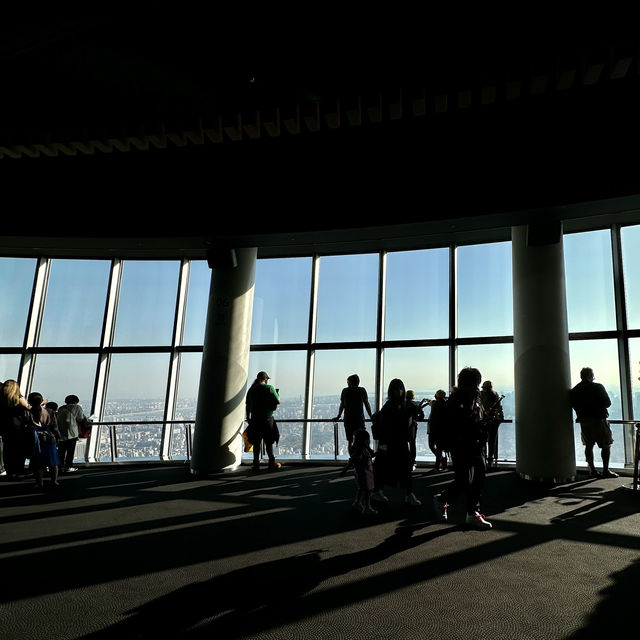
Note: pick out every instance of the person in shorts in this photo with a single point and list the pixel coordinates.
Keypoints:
(591, 401)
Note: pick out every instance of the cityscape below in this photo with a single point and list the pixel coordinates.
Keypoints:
(141, 441)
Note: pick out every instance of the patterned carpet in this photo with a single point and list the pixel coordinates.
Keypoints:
(151, 551)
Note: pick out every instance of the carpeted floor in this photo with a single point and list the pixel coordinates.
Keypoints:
(152, 552)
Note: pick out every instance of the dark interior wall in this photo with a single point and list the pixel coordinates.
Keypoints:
(116, 77)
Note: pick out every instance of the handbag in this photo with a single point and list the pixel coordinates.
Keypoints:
(84, 429)
(247, 445)
(45, 436)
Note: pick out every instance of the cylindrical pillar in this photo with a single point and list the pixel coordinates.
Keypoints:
(217, 439)
(545, 449)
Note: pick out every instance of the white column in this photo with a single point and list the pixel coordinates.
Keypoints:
(217, 440)
(545, 448)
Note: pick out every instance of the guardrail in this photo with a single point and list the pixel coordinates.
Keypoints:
(112, 427)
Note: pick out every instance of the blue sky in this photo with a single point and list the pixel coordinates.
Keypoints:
(417, 290)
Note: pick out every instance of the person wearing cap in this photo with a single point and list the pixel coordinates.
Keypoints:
(262, 400)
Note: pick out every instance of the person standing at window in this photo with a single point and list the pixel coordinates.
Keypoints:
(591, 401)
(437, 430)
(354, 400)
(16, 438)
(393, 428)
(467, 433)
(45, 453)
(262, 400)
(493, 410)
(419, 404)
(70, 418)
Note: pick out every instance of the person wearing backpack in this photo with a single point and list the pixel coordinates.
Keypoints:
(262, 400)
(70, 420)
(467, 430)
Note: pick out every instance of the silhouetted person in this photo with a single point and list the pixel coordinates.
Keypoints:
(437, 429)
(467, 434)
(411, 397)
(591, 401)
(354, 400)
(70, 419)
(262, 400)
(393, 426)
(362, 460)
(17, 439)
(45, 452)
(491, 405)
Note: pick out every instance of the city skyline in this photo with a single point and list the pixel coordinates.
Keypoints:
(123, 343)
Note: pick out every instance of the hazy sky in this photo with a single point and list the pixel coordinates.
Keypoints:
(417, 293)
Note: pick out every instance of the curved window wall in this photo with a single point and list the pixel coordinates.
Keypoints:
(126, 336)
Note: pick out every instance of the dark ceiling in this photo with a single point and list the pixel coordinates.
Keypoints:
(218, 128)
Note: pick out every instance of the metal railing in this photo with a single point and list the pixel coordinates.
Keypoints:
(165, 448)
(92, 451)
(96, 446)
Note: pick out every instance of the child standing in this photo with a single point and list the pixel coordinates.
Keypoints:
(362, 460)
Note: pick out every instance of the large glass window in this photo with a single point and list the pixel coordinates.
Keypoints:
(414, 344)
(417, 295)
(332, 368)
(589, 281)
(75, 303)
(347, 298)
(137, 386)
(281, 301)
(16, 287)
(147, 303)
(485, 294)
(9, 364)
(602, 357)
(58, 375)
(630, 237)
(197, 303)
(188, 386)
(423, 370)
(495, 362)
(287, 373)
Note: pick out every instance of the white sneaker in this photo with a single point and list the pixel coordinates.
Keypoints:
(440, 509)
(477, 521)
(379, 496)
(412, 500)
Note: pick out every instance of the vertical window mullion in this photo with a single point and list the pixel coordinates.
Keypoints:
(104, 362)
(34, 323)
(380, 332)
(174, 365)
(622, 341)
(453, 313)
(313, 316)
